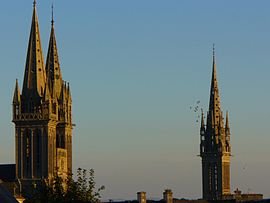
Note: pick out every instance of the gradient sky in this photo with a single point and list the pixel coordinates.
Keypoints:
(135, 68)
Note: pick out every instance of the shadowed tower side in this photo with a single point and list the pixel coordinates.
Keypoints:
(215, 148)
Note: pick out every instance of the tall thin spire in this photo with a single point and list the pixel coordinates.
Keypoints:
(34, 75)
(214, 104)
(53, 70)
(215, 145)
(34, 3)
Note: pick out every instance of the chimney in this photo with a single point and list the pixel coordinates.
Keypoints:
(168, 196)
(141, 197)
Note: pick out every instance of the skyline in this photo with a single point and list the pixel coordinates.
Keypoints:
(135, 81)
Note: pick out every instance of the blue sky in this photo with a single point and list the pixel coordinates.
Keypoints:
(135, 68)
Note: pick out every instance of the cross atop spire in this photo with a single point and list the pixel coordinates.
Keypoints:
(52, 16)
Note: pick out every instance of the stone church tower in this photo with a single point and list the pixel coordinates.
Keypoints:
(42, 113)
(215, 147)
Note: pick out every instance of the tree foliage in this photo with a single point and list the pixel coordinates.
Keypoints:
(69, 190)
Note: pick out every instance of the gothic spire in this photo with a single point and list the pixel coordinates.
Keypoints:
(214, 104)
(215, 147)
(34, 75)
(17, 94)
(52, 64)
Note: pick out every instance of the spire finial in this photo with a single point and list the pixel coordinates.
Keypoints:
(34, 3)
(52, 16)
(214, 51)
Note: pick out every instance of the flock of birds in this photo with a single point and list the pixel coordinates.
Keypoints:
(196, 110)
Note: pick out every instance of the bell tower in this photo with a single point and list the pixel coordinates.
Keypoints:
(215, 147)
(42, 113)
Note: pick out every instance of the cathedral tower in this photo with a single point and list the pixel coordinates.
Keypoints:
(215, 148)
(42, 113)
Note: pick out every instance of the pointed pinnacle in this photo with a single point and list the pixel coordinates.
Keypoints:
(202, 120)
(227, 120)
(17, 94)
(34, 3)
